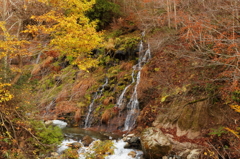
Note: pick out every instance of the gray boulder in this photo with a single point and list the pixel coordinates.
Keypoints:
(154, 143)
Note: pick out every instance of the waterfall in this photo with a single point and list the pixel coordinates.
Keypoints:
(96, 95)
(133, 104)
(121, 97)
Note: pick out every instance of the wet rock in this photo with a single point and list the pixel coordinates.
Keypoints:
(132, 154)
(107, 87)
(58, 80)
(172, 157)
(190, 153)
(132, 141)
(154, 143)
(130, 135)
(127, 145)
(76, 145)
(54, 154)
(87, 140)
(135, 143)
(120, 54)
(48, 122)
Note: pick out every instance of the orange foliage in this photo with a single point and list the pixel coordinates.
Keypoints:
(108, 114)
(65, 107)
(108, 100)
(77, 116)
(126, 66)
(80, 88)
(62, 96)
(52, 53)
(145, 82)
(45, 63)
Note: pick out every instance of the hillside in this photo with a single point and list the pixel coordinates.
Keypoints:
(143, 66)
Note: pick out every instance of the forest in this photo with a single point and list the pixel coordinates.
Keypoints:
(142, 67)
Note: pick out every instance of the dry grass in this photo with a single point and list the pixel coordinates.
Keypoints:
(126, 66)
(121, 75)
(145, 82)
(108, 100)
(47, 61)
(62, 96)
(65, 107)
(106, 116)
(77, 116)
(36, 69)
(79, 89)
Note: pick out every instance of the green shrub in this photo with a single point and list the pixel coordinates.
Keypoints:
(49, 137)
(236, 96)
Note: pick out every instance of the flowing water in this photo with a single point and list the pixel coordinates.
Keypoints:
(121, 97)
(91, 106)
(76, 134)
(133, 104)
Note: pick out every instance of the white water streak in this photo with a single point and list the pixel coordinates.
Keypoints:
(90, 107)
(133, 104)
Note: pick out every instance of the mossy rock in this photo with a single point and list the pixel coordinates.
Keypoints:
(71, 153)
(189, 112)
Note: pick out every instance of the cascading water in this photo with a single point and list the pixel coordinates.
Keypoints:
(133, 104)
(90, 107)
(121, 97)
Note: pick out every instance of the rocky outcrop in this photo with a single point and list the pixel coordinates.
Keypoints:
(154, 143)
(132, 141)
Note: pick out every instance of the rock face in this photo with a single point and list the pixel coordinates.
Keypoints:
(132, 141)
(154, 143)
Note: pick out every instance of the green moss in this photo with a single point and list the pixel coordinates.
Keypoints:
(101, 149)
(70, 153)
(236, 96)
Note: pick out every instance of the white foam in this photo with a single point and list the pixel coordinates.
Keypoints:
(64, 145)
(60, 123)
(121, 153)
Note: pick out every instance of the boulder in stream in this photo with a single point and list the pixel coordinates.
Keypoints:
(75, 145)
(87, 140)
(154, 143)
(132, 153)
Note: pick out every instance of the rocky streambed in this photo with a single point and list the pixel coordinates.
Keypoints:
(151, 144)
(82, 144)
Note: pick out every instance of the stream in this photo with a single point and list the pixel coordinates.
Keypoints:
(76, 134)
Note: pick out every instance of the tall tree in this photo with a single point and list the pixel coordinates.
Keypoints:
(69, 30)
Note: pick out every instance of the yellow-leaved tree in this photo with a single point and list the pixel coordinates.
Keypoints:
(69, 30)
(5, 94)
(11, 46)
